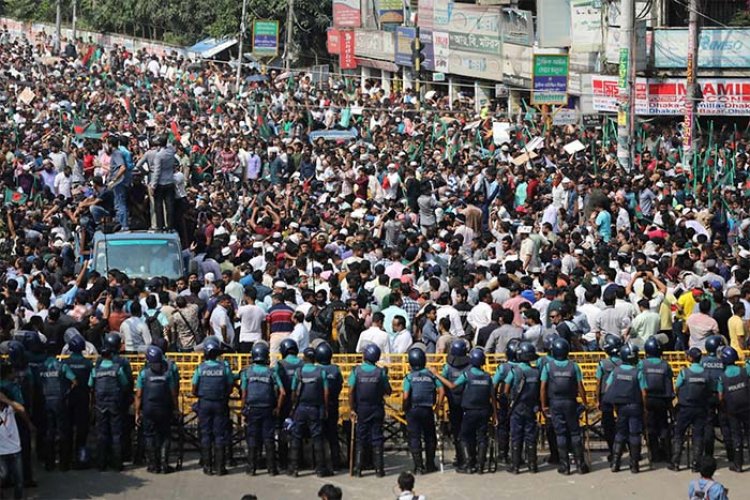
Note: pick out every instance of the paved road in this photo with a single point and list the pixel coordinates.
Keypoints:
(191, 483)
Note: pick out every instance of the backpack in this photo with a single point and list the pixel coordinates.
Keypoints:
(154, 325)
(701, 493)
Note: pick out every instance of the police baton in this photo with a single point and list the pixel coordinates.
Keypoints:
(586, 441)
(353, 422)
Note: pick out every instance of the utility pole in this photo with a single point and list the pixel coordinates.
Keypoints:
(58, 28)
(75, 18)
(242, 39)
(289, 26)
(690, 84)
(625, 86)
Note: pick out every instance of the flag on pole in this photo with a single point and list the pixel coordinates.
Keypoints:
(16, 197)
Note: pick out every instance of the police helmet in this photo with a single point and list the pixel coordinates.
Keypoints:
(16, 353)
(459, 348)
(261, 353)
(32, 341)
(212, 348)
(372, 353)
(694, 354)
(511, 350)
(287, 347)
(309, 353)
(612, 344)
(323, 353)
(77, 344)
(112, 343)
(476, 357)
(629, 353)
(154, 354)
(713, 343)
(728, 356)
(417, 358)
(560, 349)
(653, 348)
(526, 352)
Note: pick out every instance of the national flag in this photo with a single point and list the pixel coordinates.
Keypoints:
(176, 131)
(13, 196)
(263, 128)
(88, 56)
(129, 109)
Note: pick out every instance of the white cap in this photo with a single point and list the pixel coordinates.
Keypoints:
(226, 251)
(279, 284)
(209, 277)
(257, 245)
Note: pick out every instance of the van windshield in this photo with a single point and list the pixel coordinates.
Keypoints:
(140, 258)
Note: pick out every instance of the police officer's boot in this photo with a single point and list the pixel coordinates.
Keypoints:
(460, 458)
(378, 462)
(674, 462)
(654, 451)
(635, 457)
(358, 452)
(153, 459)
(220, 464)
(481, 458)
(66, 455)
(271, 458)
(416, 456)
(736, 461)
(321, 462)
(116, 457)
(251, 455)
(531, 457)
(165, 448)
(429, 465)
(581, 465)
(207, 460)
(462, 451)
(293, 458)
(515, 459)
(617, 448)
(563, 464)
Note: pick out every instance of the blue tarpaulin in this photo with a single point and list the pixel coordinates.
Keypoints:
(210, 47)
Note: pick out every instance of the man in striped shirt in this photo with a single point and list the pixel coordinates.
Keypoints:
(278, 321)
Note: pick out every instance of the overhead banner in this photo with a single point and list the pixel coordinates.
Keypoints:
(404, 38)
(517, 65)
(428, 49)
(348, 49)
(606, 94)
(265, 38)
(346, 14)
(550, 79)
(586, 25)
(553, 23)
(390, 11)
(717, 48)
(425, 9)
(484, 66)
(475, 29)
(333, 41)
(441, 50)
(518, 27)
(375, 45)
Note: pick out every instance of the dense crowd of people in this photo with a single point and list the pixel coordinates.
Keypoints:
(336, 212)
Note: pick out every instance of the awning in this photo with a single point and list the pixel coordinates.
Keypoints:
(210, 47)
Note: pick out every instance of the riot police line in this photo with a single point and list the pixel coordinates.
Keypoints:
(493, 418)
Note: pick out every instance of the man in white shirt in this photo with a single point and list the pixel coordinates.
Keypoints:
(446, 310)
(481, 314)
(221, 325)
(374, 335)
(400, 340)
(251, 320)
(300, 334)
(592, 312)
(10, 441)
(63, 182)
(134, 330)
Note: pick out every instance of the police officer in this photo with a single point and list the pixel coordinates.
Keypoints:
(155, 402)
(457, 363)
(113, 343)
(212, 384)
(610, 345)
(368, 387)
(714, 368)
(323, 355)
(35, 357)
(626, 391)
(549, 429)
(78, 415)
(23, 383)
(421, 390)
(659, 396)
(734, 395)
(694, 390)
(310, 405)
(479, 405)
(502, 432)
(285, 370)
(109, 382)
(262, 396)
(56, 380)
(562, 383)
(522, 390)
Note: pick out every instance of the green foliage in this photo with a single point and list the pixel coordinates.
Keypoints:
(741, 18)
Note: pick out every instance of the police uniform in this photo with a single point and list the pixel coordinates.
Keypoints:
(714, 368)
(694, 390)
(310, 385)
(477, 408)
(109, 381)
(605, 368)
(422, 387)
(368, 383)
(562, 378)
(261, 386)
(22, 391)
(126, 400)
(659, 395)
(213, 381)
(455, 411)
(524, 382)
(624, 386)
(157, 385)
(549, 429)
(331, 422)
(56, 378)
(78, 416)
(502, 429)
(734, 388)
(285, 370)
(38, 413)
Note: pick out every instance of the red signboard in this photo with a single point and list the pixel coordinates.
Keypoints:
(346, 14)
(347, 59)
(333, 42)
